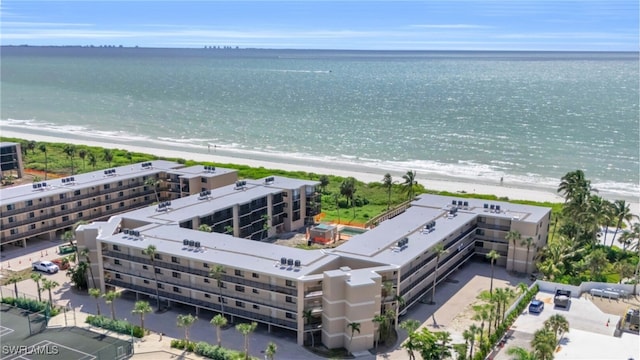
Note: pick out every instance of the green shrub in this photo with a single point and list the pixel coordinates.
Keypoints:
(119, 326)
(212, 351)
(30, 305)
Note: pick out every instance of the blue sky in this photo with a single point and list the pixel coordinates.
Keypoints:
(601, 25)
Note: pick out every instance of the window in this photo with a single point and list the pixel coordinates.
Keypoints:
(62, 196)
(107, 186)
(145, 267)
(28, 203)
(239, 288)
(76, 193)
(290, 316)
(11, 219)
(157, 256)
(146, 281)
(158, 271)
(176, 289)
(222, 300)
(107, 197)
(256, 307)
(80, 214)
(289, 299)
(32, 215)
(118, 276)
(121, 194)
(117, 262)
(256, 276)
(205, 265)
(176, 275)
(10, 207)
(108, 207)
(65, 218)
(78, 203)
(203, 180)
(175, 260)
(119, 183)
(223, 285)
(207, 296)
(63, 207)
(290, 283)
(206, 280)
(255, 291)
(116, 248)
(239, 273)
(160, 286)
(239, 304)
(32, 227)
(14, 231)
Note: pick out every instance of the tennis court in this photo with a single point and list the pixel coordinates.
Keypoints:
(24, 336)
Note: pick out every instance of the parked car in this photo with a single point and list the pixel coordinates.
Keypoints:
(536, 306)
(46, 266)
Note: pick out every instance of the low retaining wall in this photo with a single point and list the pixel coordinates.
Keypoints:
(576, 291)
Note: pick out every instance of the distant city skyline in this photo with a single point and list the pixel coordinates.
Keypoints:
(566, 25)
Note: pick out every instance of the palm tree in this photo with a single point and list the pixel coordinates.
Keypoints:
(265, 226)
(410, 183)
(558, 324)
(96, 294)
(473, 330)
(69, 237)
(348, 190)
(70, 150)
(513, 237)
(129, 157)
(153, 182)
(438, 250)
(84, 253)
(492, 256)
(141, 307)
(186, 321)
(49, 285)
(204, 228)
(14, 279)
(481, 315)
(528, 242)
(573, 185)
(37, 277)
(82, 154)
(443, 349)
(216, 273)
(43, 149)
(218, 321)
(520, 353)
(324, 182)
(307, 315)
(544, 344)
(270, 351)
(621, 212)
(381, 320)
(336, 197)
(355, 328)
(110, 298)
(410, 325)
(150, 251)
(246, 330)
(93, 161)
(623, 268)
(387, 183)
(31, 145)
(107, 156)
(597, 261)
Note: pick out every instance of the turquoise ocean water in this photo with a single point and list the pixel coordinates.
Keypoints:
(529, 117)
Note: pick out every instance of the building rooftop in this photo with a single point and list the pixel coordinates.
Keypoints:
(224, 249)
(281, 182)
(201, 171)
(68, 184)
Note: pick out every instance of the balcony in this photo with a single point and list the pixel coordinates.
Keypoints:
(291, 325)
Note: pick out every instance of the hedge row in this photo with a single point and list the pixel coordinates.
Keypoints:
(31, 305)
(207, 350)
(485, 346)
(119, 326)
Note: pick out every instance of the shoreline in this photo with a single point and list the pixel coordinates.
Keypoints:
(517, 191)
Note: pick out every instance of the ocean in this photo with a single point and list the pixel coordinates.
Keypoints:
(527, 117)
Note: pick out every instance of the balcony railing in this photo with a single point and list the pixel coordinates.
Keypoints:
(249, 315)
(200, 272)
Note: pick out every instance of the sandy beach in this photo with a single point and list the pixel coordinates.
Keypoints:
(271, 161)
